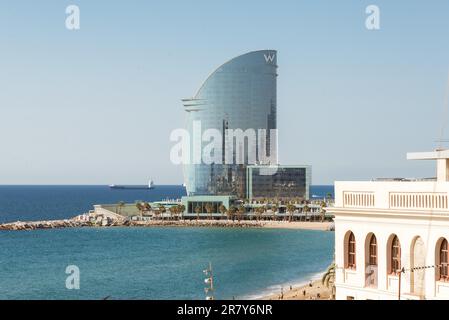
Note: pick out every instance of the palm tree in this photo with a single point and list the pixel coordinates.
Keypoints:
(197, 211)
(274, 209)
(120, 205)
(323, 211)
(259, 212)
(305, 209)
(230, 213)
(140, 207)
(181, 209)
(162, 210)
(147, 206)
(173, 211)
(290, 209)
(240, 212)
(222, 209)
(210, 210)
(329, 279)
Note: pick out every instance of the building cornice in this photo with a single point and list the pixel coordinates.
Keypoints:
(390, 213)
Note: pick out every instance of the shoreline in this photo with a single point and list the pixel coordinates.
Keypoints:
(76, 223)
(275, 290)
(305, 290)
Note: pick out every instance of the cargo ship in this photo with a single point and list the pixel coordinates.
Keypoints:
(142, 187)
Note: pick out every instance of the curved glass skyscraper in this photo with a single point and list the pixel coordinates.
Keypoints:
(240, 94)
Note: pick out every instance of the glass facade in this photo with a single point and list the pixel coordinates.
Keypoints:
(286, 182)
(240, 94)
(201, 203)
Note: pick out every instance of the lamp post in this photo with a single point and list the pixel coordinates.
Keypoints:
(401, 271)
(209, 281)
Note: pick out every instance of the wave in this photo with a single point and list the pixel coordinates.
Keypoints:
(276, 289)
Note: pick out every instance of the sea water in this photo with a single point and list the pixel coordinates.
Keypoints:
(145, 263)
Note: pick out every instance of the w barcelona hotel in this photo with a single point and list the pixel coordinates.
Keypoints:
(236, 108)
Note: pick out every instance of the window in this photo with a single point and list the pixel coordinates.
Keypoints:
(373, 251)
(443, 265)
(351, 251)
(395, 255)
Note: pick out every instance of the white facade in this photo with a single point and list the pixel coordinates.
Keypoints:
(417, 213)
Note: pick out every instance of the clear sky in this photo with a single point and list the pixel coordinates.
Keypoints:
(96, 106)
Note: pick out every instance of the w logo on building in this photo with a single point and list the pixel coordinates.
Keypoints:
(269, 57)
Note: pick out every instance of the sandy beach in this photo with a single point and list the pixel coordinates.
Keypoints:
(312, 291)
(322, 226)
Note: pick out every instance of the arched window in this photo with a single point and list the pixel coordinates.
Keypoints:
(351, 252)
(443, 265)
(373, 251)
(395, 255)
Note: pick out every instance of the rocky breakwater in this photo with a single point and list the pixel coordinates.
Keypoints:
(103, 222)
(53, 224)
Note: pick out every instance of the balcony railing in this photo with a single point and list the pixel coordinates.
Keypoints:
(411, 195)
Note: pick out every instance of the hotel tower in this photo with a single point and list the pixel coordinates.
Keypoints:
(240, 94)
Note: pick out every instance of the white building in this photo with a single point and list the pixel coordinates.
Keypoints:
(391, 236)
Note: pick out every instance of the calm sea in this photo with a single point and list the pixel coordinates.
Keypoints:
(27, 203)
(145, 263)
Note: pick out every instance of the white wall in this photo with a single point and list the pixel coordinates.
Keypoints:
(407, 228)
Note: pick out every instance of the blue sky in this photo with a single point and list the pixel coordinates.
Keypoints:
(97, 106)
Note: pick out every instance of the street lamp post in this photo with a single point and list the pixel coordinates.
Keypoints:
(209, 281)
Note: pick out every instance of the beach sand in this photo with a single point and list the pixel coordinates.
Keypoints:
(323, 226)
(314, 291)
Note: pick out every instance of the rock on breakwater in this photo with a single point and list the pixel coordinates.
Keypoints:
(53, 224)
(75, 223)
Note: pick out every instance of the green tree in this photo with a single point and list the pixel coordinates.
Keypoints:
(240, 212)
(156, 214)
(259, 212)
(328, 279)
(222, 209)
(230, 213)
(209, 210)
(181, 210)
(173, 211)
(305, 210)
(197, 211)
(274, 209)
(147, 207)
(120, 205)
(323, 211)
(140, 208)
(162, 210)
(290, 209)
